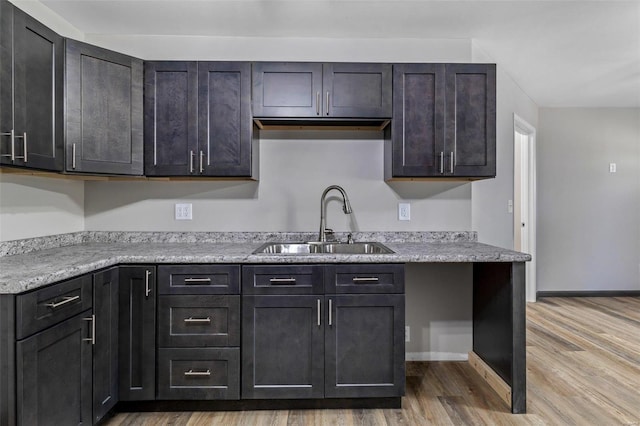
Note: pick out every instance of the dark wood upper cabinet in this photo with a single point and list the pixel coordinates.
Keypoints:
(444, 122)
(198, 119)
(357, 90)
(470, 126)
(31, 92)
(224, 119)
(282, 89)
(104, 117)
(314, 90)
(170, 118)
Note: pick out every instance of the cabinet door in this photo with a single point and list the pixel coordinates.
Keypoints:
(170, 118)
(6, 80)
(357, 90)
(418, 120)
(282, 347)
(364, 346)
(137, 333)
(54, 375)
(38, 94)
(224, 127)
(104, 111)
(470, 132)
(105, 349)
(291, 89)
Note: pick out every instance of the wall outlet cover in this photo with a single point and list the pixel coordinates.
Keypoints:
(404, 211)
(184, 211)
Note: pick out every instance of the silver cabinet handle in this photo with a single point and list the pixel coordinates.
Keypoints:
(327, 103)
(330, 315)
(192, 320)
(147, 285)
(441, 162)
(365, 279)
(201, 162)
(451, 162)
(319, 307)
(190, 161)
(65, 300)
(197, 280)
(73, 156)
(91, 339)
(24, 141)
(318, 103)
(192, 373)
(24, 147)
(282, 280)
(12, 139)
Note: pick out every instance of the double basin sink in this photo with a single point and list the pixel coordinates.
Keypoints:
(316, 247)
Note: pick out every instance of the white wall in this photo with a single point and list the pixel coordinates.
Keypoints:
(36, 206)
(490, 197)
(588, 218)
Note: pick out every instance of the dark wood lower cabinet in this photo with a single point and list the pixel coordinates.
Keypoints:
(199, 373)
(54, 375)
(282, 347)
(334, 346)
(364, 346)
(137, 333)
(105, 343)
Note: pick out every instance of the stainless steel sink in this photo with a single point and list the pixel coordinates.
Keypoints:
(314, 247)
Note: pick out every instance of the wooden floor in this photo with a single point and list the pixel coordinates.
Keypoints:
(583, 368)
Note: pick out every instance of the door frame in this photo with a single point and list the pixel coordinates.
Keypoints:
(522, 127)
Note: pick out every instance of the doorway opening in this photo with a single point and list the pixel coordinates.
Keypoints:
(524, 198)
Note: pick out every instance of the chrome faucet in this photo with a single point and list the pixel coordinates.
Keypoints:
(346, 208)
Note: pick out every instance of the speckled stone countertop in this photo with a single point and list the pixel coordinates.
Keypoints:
(28, 271)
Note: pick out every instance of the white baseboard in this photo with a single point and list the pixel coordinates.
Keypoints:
(436, 356)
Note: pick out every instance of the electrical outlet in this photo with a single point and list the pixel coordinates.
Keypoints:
(407, 334)
(404, 211)
(510, 206)
(613, 167)
(184, 211)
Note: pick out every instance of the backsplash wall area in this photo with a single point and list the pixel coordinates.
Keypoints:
(295, 167)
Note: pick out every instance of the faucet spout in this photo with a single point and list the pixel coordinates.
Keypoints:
(346, 208)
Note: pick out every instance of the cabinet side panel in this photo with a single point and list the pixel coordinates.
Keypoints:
(7, 361)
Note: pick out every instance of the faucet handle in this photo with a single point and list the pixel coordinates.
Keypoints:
(328, 232)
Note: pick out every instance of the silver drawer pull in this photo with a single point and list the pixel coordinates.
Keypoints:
(282, 280)
(197, 280)
(365, 279)
(64, 301)
(192, 373)
(192, 320)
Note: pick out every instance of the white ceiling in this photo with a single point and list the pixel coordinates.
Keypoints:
(562, 53)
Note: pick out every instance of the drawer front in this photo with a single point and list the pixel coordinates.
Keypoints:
(199, 279)
(199, 373)
(364, 278)
(43, 308)
(195, 321)
(292, 279)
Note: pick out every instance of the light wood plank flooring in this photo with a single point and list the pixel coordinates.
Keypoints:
(583, 365)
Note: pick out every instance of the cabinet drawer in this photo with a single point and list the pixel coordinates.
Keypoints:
(193, 321)
(43, 308)
(298, 279)
(199, 279)
(202, 373)
(365, 278)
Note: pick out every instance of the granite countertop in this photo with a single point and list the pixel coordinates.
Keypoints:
(28, 271)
